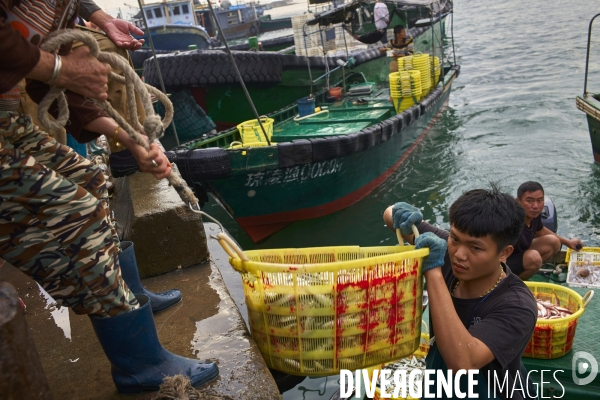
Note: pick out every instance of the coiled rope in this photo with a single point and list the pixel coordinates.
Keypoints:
(152, 126)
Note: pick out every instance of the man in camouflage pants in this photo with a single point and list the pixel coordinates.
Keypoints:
(54, 224)
(54, 228)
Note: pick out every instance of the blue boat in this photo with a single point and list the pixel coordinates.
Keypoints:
(173, 37)
(176, 25)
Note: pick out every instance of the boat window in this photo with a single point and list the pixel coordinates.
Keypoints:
(185, 9)
(176, 10)
(149, 14)
(158, 13)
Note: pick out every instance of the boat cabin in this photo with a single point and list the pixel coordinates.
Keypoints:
(236, 20)
(175, 12)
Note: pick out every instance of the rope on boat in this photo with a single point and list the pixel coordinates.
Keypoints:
(152, 126)
(237, 72)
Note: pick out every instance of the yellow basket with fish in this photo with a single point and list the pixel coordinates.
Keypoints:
(316, 311)
(559, 308)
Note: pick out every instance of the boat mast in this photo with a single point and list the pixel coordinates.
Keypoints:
(237, 72)
(587, 55)
(162, 84)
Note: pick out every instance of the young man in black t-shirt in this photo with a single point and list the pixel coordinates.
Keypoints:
(481, 314)
(536, 242)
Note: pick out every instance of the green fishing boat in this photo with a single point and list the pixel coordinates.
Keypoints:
(589, 103)
(276, 79)
(314, 165)
(334, 128)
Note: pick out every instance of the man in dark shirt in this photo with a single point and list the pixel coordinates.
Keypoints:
(536, 242)
(481, 314)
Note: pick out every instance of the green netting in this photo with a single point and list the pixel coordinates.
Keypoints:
(190, 119)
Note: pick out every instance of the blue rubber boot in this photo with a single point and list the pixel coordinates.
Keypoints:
(139, 362)
(129, 271)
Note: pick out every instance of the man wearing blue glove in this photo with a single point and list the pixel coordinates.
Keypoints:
(481, 314)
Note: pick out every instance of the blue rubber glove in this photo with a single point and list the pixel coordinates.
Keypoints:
(404, 215)
(437, 250)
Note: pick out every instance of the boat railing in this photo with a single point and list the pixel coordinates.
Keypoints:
(587, 55)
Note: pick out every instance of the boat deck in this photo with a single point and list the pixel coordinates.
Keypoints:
(338, 118)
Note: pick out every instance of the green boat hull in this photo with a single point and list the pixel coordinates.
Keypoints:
(264, 197)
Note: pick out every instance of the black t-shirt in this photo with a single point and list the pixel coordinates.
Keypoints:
(515, 261)
(503, 321)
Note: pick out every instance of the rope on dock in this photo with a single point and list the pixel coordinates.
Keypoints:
(178, 387)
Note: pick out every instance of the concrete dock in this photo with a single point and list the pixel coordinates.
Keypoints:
(206, 325)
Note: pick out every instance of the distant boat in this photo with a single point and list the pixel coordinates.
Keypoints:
(237, 21)
(268, 25)
(589, 103)
(174, 37)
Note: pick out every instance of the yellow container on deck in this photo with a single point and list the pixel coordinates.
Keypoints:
(422, 64)
(405, 89)
(252, 134)
(316, 311)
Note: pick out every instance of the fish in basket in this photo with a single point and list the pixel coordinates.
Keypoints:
(559, 309)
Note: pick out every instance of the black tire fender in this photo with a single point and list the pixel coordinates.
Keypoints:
(416, 112)
(199, 165)
(325, 148)
(349, 144)
(387, 127)
(294, 153)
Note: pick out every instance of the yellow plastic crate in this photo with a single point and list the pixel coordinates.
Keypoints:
(553, 338)
(578, 255)
(316, 311)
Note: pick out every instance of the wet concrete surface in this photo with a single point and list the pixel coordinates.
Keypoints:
(206, 325)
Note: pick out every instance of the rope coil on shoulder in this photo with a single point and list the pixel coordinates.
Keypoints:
(152, 126)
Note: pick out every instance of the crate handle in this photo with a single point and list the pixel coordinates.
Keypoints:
(587, 298)
(426, 327)
(399, 234)
(231, 247)
(224, 240)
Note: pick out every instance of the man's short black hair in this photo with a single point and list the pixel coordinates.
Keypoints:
(482, 212)
(529, 186)
(398, 29)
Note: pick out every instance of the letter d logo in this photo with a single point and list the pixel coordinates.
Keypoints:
(584, 362)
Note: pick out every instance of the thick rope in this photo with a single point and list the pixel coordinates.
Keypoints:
(152, 126)
(178, 387)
